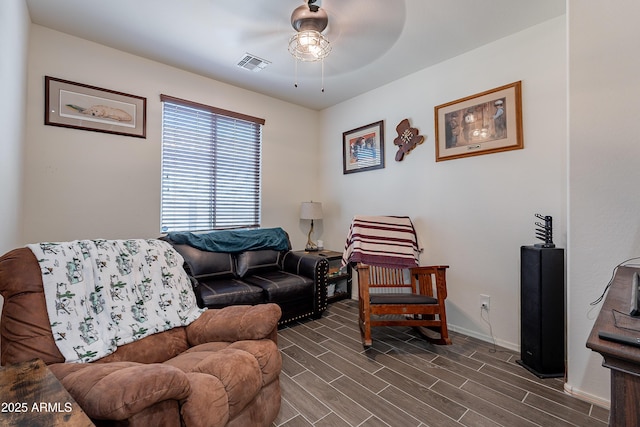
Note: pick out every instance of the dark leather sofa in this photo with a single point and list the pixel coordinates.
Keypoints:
(296, 281)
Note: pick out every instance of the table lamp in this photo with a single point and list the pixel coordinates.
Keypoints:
(311, 210)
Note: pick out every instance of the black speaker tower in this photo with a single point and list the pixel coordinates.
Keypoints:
(542, 306)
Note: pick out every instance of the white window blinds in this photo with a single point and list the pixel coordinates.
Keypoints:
(210, 167)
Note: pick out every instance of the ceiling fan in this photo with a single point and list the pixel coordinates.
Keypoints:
(309, 44)
(355, 32)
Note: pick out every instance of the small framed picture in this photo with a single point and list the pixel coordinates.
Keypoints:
(80, 106)
(488, 122)
(363, 148)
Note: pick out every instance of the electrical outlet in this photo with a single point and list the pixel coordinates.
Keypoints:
(485, 302)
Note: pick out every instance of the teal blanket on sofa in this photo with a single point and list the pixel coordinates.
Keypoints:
(234, 241)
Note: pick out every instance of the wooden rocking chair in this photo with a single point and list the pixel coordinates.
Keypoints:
(387, 300)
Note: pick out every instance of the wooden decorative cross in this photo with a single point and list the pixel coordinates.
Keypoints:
(408, 138)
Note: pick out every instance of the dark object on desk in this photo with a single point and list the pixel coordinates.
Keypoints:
(623, 360)
(619, 338)
(544, 232)
(635, 295)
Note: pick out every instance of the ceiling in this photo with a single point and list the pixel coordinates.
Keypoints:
(374, 41)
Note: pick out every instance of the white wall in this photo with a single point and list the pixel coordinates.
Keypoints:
(604, 168)
(82, 184)
(472, 213)
(14, 38)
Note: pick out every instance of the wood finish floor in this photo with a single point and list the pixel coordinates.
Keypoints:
(329, 380)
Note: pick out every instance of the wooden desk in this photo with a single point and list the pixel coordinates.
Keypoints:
(622, 359)
(31, 396)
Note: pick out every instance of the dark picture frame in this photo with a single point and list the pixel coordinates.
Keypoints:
(484, 123)
(363, 148)
(80, 106)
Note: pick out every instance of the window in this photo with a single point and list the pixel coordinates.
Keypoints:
(210, 167)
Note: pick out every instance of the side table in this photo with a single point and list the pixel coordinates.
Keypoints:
(30, 395)
(338, 280)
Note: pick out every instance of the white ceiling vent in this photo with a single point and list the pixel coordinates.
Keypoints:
(252, 63)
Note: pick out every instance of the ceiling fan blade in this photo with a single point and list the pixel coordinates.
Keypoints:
(361, 31)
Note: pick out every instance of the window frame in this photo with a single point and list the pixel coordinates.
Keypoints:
(219, 157)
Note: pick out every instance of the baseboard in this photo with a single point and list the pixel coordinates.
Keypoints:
(587, 397)
(484, 337)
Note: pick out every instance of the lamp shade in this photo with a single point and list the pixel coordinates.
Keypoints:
(311, 210)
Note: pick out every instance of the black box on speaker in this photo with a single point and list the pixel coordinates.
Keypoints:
(542, 321)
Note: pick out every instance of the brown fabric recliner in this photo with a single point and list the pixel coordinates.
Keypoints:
(222, 369)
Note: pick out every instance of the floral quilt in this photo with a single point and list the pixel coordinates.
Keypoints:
(101, 294)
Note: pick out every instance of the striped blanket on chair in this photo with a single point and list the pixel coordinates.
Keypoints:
(385, 241)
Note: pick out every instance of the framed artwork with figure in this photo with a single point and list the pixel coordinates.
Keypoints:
(484, 123)
(363, 148)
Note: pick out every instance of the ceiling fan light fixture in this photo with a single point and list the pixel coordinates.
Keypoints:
(309, 46)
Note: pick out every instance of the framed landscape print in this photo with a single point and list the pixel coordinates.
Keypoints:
(488, 122)
(80, 106)
(363, 148)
